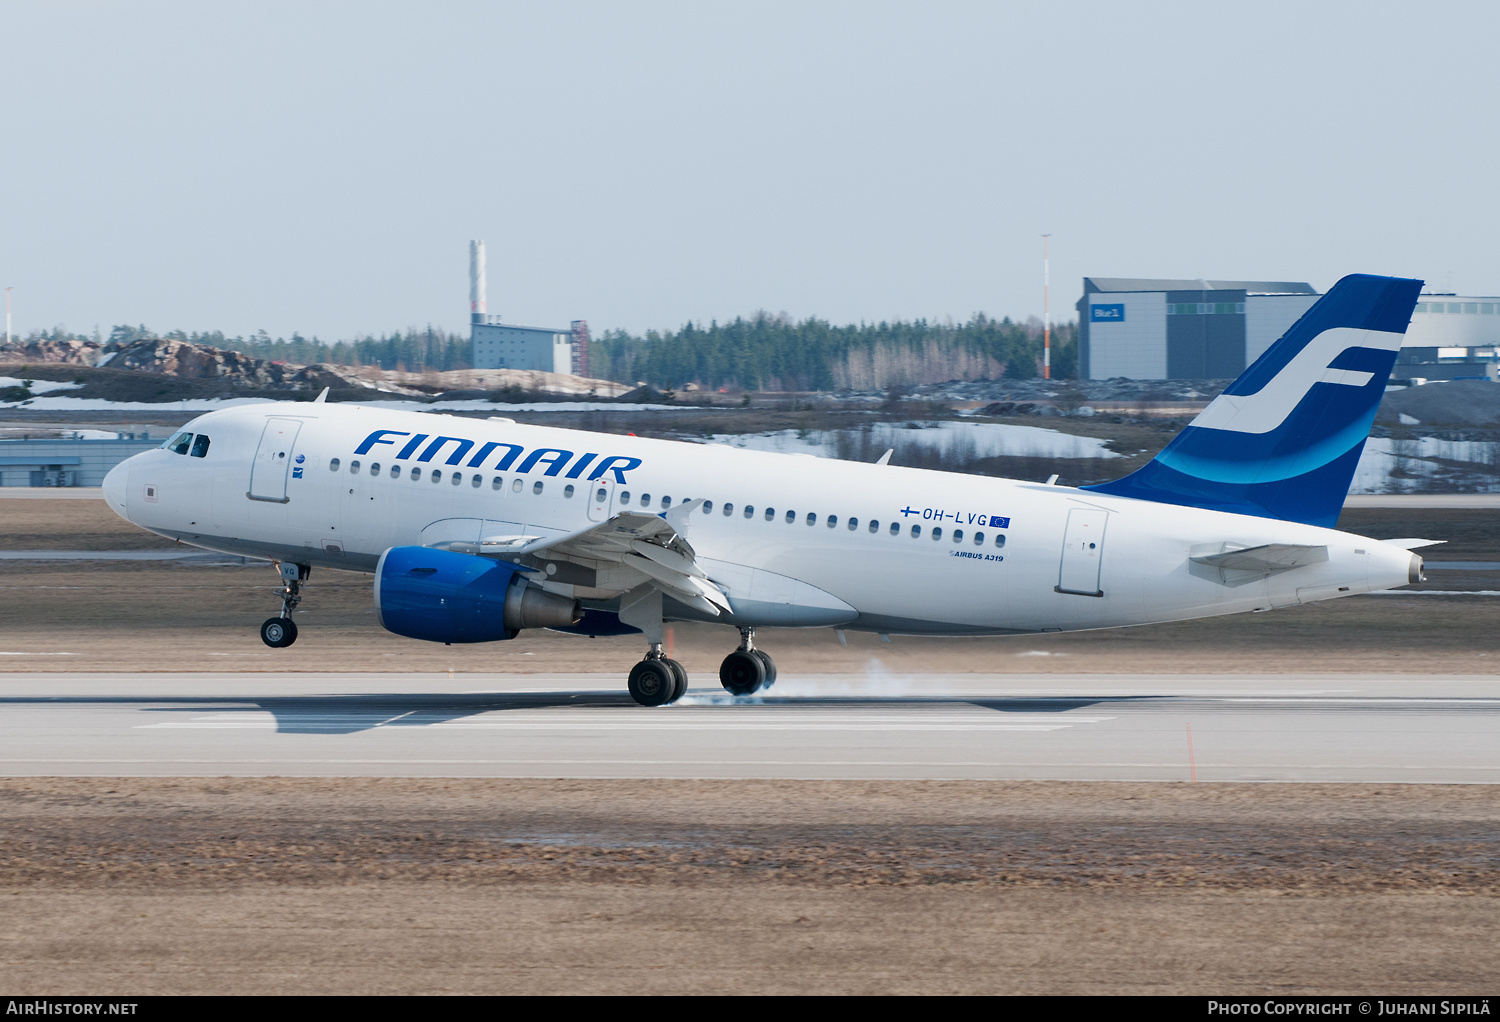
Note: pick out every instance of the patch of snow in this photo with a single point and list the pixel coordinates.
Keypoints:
(950, 439)
(38, 386)
(94, 404)
(1408, 420)
(1421, 465)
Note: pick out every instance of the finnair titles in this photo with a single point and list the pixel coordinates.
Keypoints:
(477, 529)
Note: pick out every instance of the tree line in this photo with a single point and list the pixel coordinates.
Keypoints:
(768, 352)
(763, 352)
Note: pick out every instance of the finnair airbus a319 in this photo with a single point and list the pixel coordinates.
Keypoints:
(477, 529)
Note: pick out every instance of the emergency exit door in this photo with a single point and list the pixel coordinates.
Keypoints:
(1083, 552)
(601, 499)
(273, 460)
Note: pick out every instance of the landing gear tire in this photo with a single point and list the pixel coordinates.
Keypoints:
(679, 674)
(278, 632)
(743, 673)
(653, 683)
(764, 658)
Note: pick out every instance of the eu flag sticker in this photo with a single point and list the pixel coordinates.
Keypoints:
(999, 523)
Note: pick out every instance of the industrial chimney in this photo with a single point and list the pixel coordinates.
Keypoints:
(476, 282)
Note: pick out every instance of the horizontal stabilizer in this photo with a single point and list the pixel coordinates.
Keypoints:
(1230, 564)
(1269, 558)
(1413, 544)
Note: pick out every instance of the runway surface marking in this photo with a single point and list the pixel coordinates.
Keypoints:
(1064, 727)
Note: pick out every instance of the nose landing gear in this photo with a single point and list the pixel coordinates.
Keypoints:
(281, 631)
(747, 670)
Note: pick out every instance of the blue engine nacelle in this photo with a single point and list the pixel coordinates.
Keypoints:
(443, 596)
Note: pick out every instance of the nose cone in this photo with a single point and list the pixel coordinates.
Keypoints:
(116, 486)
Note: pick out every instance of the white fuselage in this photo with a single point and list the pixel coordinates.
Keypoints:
(969, 554)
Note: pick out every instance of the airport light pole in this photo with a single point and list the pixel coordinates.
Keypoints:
(1046, 311)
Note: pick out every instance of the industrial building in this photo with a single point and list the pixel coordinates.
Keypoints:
(1150, 329)
(498, 345)
(64, 461)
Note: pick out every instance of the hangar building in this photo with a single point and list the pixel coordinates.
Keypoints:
(1151, 329)
(67, 461)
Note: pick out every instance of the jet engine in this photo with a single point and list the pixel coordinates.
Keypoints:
(443, 596)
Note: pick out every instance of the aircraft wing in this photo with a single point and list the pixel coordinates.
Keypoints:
(652, 545)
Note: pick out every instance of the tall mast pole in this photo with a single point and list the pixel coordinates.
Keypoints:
(7, 313)
(1046, 310)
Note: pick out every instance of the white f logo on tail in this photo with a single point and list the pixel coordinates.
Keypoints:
(1269, 407)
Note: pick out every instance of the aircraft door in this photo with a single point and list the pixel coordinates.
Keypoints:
(273, 460)
(1083, 552)
(601, 499)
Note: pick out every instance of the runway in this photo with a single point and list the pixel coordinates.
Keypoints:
(1330, 727)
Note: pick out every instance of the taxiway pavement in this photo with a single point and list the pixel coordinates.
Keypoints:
(1329, 727)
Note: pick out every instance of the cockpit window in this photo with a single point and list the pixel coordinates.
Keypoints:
(179, 443)
(200, 446)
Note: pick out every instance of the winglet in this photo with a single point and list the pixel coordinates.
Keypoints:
(321, 398)
(885, 459)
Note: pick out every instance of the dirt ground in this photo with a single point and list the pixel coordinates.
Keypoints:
(388, 885)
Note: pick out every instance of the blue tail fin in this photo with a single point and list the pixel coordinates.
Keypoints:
(1284, 439)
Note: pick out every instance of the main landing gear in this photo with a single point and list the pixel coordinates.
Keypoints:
(747, 670)
(278, 632)
(656, 681)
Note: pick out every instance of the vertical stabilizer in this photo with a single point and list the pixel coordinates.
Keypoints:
(1283, 440)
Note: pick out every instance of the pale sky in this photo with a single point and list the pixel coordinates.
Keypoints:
(321, 167)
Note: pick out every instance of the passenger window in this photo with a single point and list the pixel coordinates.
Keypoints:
(537, 487)
(416, 473)
(458, 477)
(499, 482)
(353, 468)
(999, 539)
(666, 502)
(515, 485)
(568, 491)
(812, 519)
(916, 530)
(200, 446)
(645, 500)
(937, 533)
(395, 471)
(770, 513)
(624, 498)
(791, 516)
(958, 535)
(895, 527)
(833, 520)
(979, 539)
(333, 466)
(437, 476)
(179, 443)
(749, 510)
(478, 479)
(374, 468)
(728, 510)
(708, 507)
